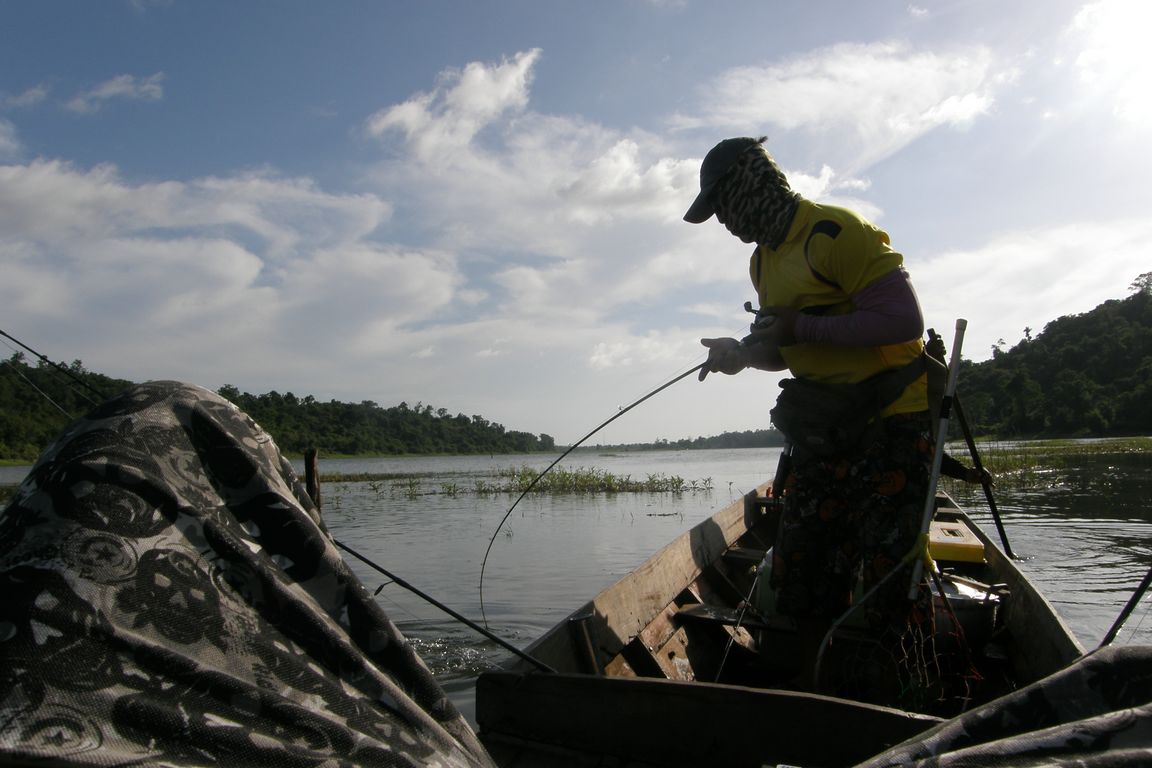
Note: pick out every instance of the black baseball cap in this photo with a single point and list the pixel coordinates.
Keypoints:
(717, 163)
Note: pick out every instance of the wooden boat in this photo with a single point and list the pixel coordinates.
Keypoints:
(670, 667)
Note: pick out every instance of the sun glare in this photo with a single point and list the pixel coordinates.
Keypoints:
(1115, 62)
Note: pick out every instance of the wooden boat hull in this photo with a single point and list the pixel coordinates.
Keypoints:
(562, 719)
(638, 665)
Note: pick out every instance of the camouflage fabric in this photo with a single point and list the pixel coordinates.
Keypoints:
(171, 597)
(755, 201)
(1097, 713)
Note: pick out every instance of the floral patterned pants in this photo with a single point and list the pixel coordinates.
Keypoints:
(859, 511)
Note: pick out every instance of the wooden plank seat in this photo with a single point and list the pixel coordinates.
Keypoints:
(728, 617)
(745, 555)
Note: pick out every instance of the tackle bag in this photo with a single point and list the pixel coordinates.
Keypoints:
(821, 420)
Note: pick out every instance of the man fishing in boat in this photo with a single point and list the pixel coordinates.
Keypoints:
(837, 310)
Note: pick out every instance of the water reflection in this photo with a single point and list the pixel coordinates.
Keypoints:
(1085, 536)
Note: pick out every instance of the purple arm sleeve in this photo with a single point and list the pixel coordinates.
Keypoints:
(886, 312)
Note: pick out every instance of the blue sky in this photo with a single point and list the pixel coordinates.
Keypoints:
(476, 205)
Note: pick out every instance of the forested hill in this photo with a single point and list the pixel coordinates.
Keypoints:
(34, 401)
(368, 429)
(1086, 375)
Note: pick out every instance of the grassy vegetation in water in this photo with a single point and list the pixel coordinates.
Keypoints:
(591, 480)
(520, 479)
(514, 480)
(1013, 464)
(1025, 464)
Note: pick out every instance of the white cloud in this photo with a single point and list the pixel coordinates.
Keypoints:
(537, 232)
(867, 101)
(1113, 60)
(562, 215)
(490, 240)
(1029, 278)
(9, 141)
(28, 98)
(465, 101)
(127, 87)
(655, 348)
(361, 284)
(207, 267)
(52, 202)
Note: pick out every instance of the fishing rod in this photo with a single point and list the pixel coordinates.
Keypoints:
(574, 446)
(433, 601)
(1131, 606)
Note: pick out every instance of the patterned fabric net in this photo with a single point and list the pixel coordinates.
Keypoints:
(171, 596)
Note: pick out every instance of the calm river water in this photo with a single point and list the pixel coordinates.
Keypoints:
(1084, 537)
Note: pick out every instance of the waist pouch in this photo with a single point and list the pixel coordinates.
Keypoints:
(822, 420)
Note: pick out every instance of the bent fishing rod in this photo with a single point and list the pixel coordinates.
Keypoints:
(560, 458)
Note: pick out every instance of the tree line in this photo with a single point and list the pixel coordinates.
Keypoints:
(749, 438)
(1086, 375)
(38, 400)
(366, 428)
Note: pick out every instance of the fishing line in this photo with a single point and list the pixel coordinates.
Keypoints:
(62, 369)
(433, 601)
(747, 605)
(1128, 609)
(1138, 629)
(39, 391)
(574, 446)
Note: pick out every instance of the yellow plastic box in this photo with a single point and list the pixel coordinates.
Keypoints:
(954, 540)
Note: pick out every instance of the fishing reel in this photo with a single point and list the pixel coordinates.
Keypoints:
(761, 322)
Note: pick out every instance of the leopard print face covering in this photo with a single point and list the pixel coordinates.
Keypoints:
(755, 201)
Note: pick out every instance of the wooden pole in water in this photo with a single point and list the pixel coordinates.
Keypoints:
(985, 483)
(312, 475)
(938, 455)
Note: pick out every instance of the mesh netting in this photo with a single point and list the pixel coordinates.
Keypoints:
(921, 661)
